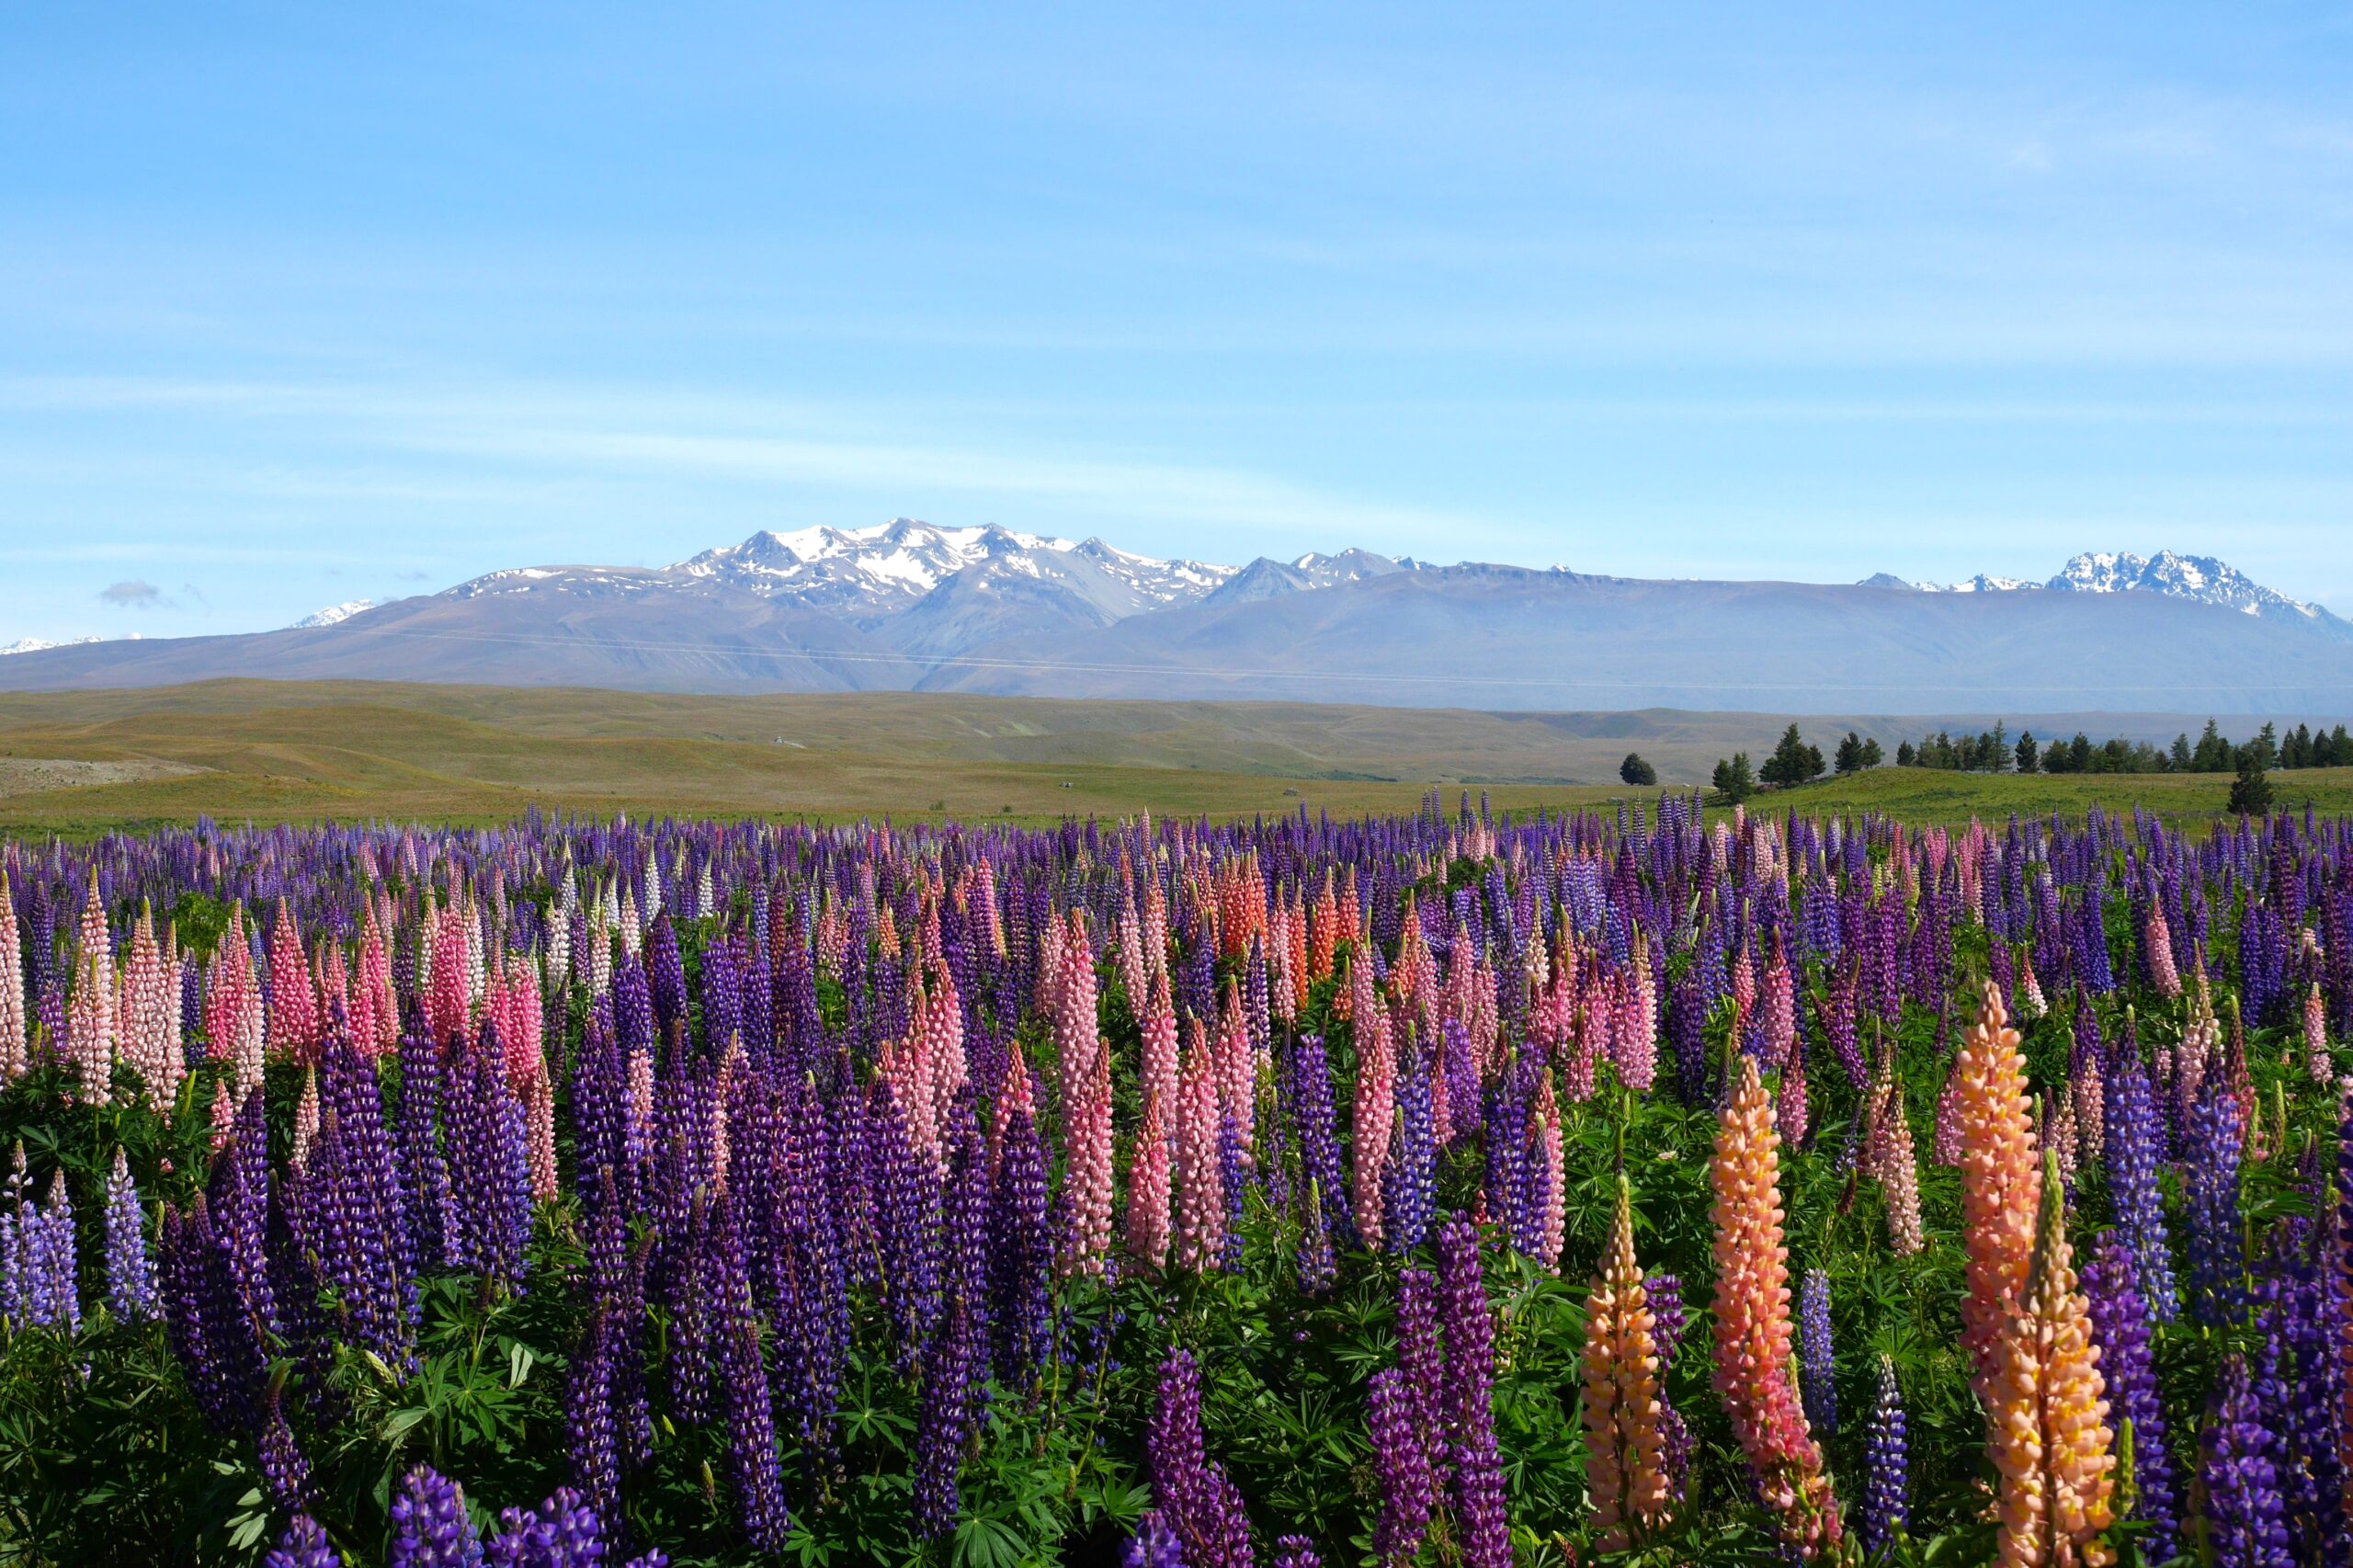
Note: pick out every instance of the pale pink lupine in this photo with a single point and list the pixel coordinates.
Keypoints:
(2162, 973)
(94, 939)
(1792, 1109)
(2317, 1060)
(1635, 1039)
(1777, 1013)
(1134, 971)
(1238, 1076)
(1376, 1099)
(89, 1033)
(1485, 1031)
(224, 1115)
(1158, 1027)
(1200, 1187)
(12, 1059)
(1147, 1232)
(1545, 1129)
(306, 1119)
(1087, 1126)
(145, 1031)
(293, 1005)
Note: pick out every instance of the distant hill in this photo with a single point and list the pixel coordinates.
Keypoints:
(909, 606)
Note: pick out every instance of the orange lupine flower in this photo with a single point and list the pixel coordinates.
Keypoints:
(1752, 1305)
(2046, 1420)
(1625, 1464)
(1995, 1133)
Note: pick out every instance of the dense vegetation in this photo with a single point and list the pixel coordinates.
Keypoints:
(1433, 1188)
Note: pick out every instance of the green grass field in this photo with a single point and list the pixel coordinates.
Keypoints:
(286, 752)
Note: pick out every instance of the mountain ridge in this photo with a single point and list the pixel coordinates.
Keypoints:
(907, 605)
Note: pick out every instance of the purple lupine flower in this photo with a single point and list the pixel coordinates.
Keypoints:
(1154, 1545)
(425, 1170)
(1021, 1256)
(302, 1544)
(53, 1276)
(2298, 1382)
(2134, 1139)
(1817, 1365)
(19, 1224)
(564, 1532)
(359, 1237)
(1319, 1144)
(1478, 1482)
(430, 1526)
(132, 1294)
(2243, 1508)
(665, 976)
(1408, 1489)
(907, 1220)
(1296, 1551)
(1234, 1180)
(2120, 1324)
(1194, 1496)
(490, 1171)
(751, 1429)
(1421, 1360)
(1668, 1318)
(1887, 1509)
(1318, 1268)
(2217, 1252)
(1405, 1178)
(285, 1472)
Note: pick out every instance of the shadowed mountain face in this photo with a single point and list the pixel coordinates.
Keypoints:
(909, 606)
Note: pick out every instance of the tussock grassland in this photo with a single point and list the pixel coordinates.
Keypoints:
(272, 751)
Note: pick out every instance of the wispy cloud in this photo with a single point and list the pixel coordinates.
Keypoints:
(133, 594)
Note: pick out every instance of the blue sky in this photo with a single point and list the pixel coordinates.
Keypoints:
(311, 303)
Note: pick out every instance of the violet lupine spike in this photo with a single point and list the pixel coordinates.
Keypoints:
(2120, 1324)
(1296, 1551)
(1887, 1509)
(1484, 1530)
(1154, 1545)
(1401, 1465)
(2217, 1254)
(2134, 1139)
(430, 1526)
(1817, 1372)
(302, 1544)
(2244, 1514)
(1192, 1493)
(131, 1293)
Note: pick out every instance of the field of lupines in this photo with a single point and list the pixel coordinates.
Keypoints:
(1432, 1189)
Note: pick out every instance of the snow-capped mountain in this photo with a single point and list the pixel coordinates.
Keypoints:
(908, 607)
(871, 573)
(39, 644)
(2201, 579)
(333, 615)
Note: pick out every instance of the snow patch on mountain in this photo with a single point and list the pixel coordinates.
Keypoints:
(2201, 579)
(38, 644)
(333, 615)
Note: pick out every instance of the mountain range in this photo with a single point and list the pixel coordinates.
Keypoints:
(908, 606)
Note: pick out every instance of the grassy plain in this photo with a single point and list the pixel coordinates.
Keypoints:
(272, 751)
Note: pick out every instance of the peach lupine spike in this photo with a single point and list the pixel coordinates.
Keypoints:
(1754, 1344)
(1997, 1155)
(2047, 1429)
(1625, 1452)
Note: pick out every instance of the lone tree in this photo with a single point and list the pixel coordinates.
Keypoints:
(1849, 756)
(1732, 779)
(1793, 762)
(2251, 790)
(1635, 771)
(2030, 754)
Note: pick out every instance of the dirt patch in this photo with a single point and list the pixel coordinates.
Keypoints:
(32, 775)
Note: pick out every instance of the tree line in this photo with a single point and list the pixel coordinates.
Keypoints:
(1993, 751)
